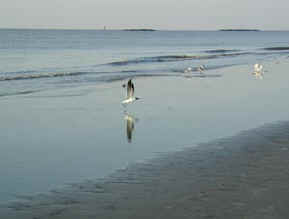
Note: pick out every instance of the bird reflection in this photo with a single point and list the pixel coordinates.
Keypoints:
(258, 75)
(130, 120)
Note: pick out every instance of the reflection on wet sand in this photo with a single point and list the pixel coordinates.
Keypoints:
(258, 75)
(130, 120)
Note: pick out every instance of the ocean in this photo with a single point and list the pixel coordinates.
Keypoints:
(62, 121)
(37, 60)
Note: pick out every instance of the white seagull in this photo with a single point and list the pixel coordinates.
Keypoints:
(258, 71)
(201, 69)
(188, 70)
(258, 68)
(130, 93)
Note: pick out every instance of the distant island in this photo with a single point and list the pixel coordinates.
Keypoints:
(139, 30)
(239, 30)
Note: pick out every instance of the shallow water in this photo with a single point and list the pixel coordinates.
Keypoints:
(80, 131)
(33, 60)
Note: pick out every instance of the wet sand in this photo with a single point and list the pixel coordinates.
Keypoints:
(244, 176)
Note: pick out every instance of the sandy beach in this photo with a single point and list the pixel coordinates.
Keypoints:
(223, 147)
(245, 176)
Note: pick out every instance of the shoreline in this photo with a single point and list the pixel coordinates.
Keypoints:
(244, 176)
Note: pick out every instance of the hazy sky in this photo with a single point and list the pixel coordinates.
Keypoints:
(158, 14)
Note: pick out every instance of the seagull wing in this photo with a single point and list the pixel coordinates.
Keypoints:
(130, 89)
(256, 66)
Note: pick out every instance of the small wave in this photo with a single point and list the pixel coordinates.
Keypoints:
(18, 93)
(19, 72)
(207, 67)
(152, 59)
(112, 78)
(40, 75)
(174, 58)
(129, 71)
(222, 50)
(119, 73)
(279, 48)
(65, 74)
(203, 76)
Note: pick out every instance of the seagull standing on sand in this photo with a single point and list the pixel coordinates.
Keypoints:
(188, 70)
(130, 93)
(258, 71)
(201, 69)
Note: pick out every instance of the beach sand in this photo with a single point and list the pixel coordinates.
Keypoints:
(244, 176)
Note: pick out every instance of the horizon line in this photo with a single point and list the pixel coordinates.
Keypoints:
(121, 29)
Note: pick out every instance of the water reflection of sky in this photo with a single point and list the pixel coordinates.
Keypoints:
(49, 139)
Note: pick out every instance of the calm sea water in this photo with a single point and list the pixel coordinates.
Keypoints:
(33, 60)
(69, 130)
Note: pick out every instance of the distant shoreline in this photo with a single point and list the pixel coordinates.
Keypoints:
(239, 30)
(139, 29)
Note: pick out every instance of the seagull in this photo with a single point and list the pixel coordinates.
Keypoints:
(188, 70)
(258, 68)
(130, 93)
(201, 68)
(258, 71)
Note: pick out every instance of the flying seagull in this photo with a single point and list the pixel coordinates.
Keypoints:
(130, 93)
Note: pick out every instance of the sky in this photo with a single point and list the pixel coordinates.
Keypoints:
(157, 14)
